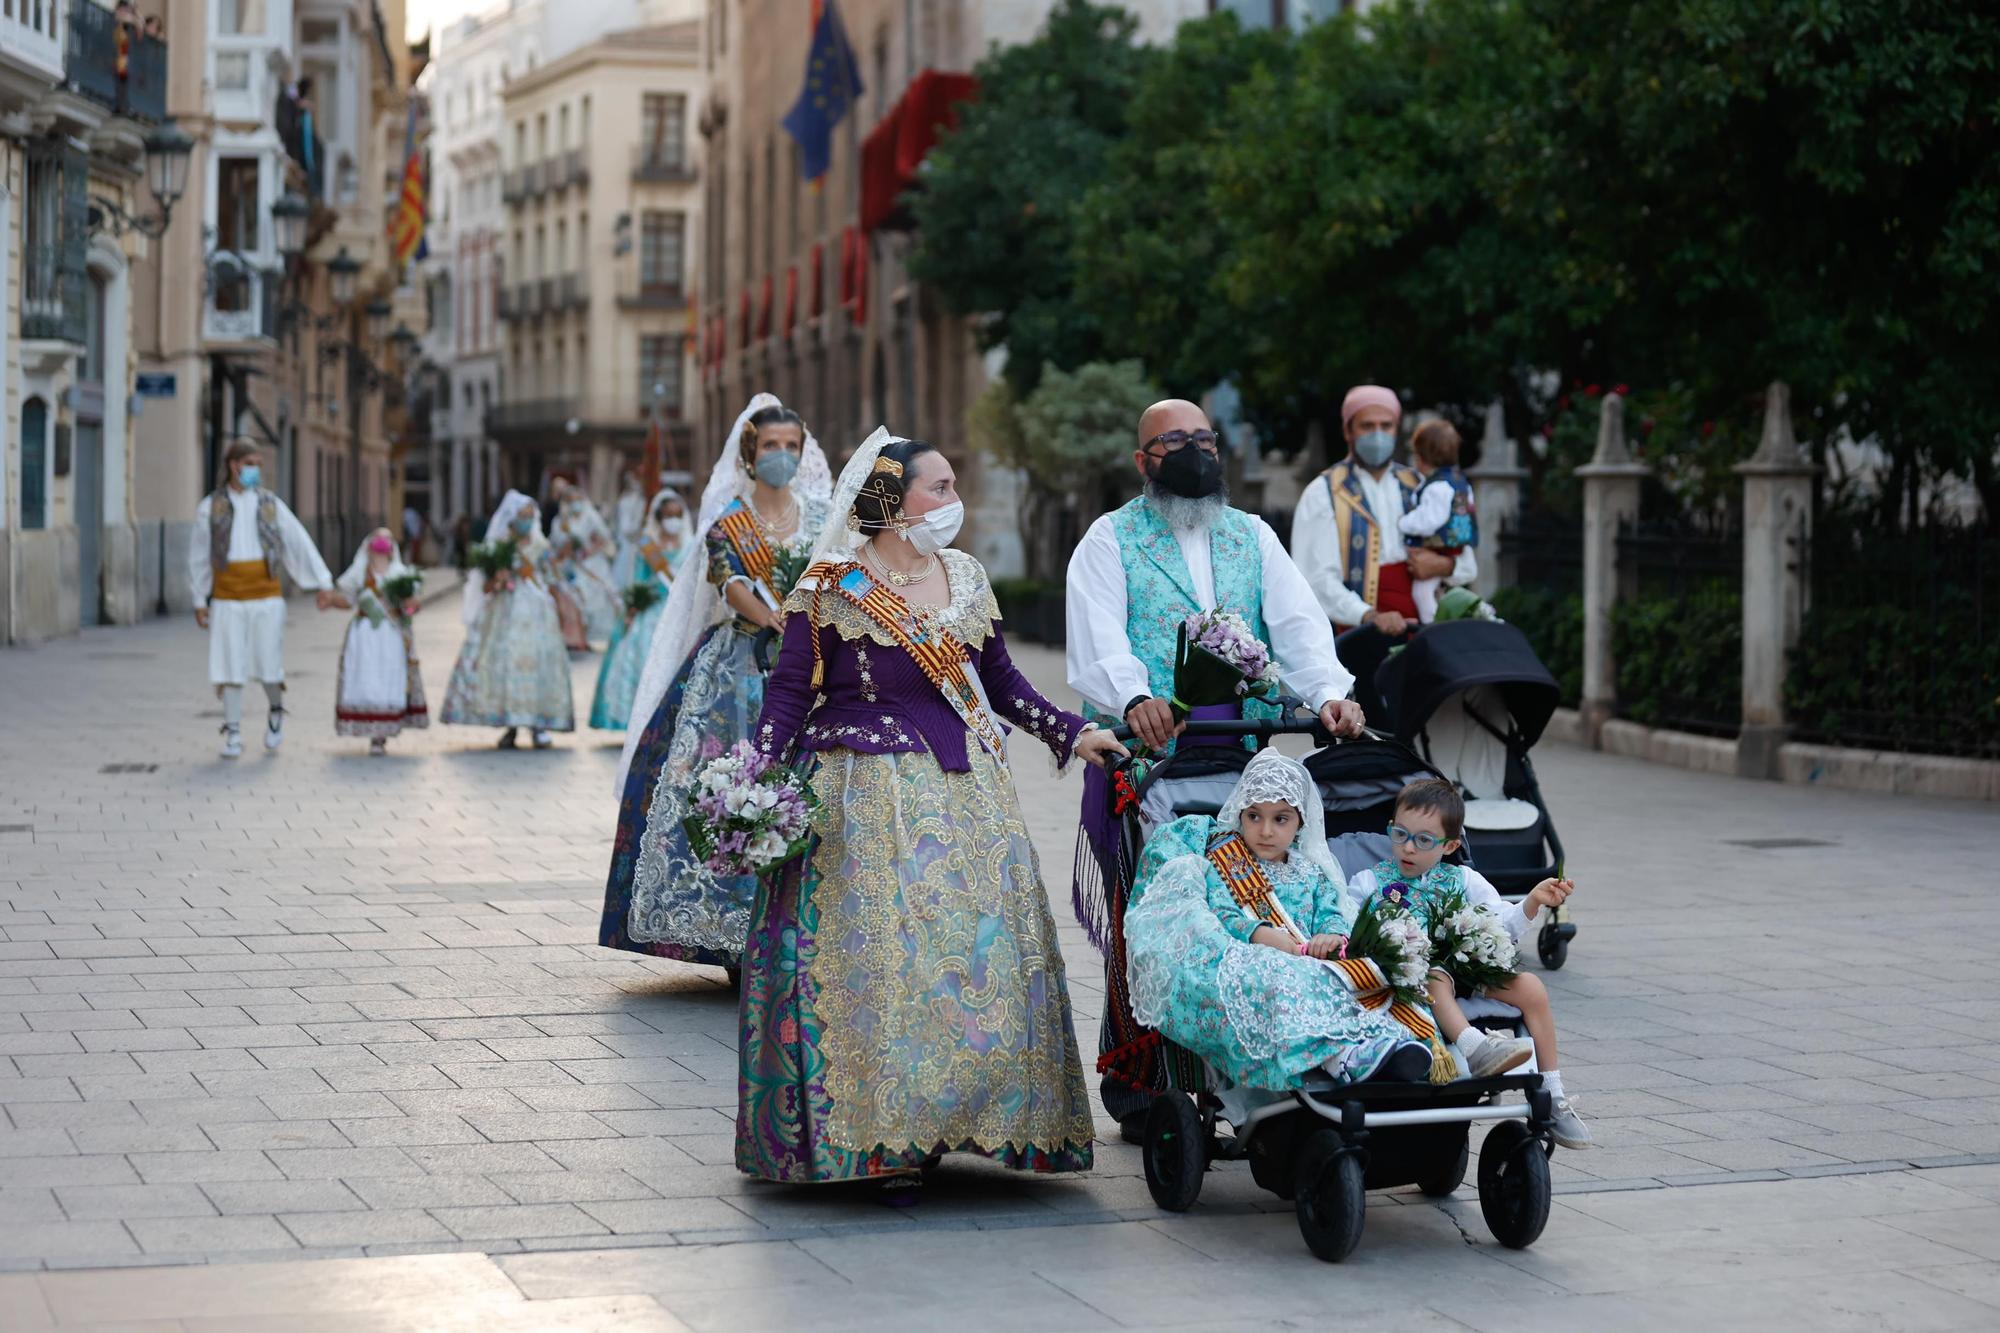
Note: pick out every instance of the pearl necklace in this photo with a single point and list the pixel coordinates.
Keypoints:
(785, 522)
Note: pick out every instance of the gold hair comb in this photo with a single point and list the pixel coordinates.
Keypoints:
(888, 467)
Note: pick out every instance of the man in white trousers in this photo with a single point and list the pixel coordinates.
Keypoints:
(243, 536)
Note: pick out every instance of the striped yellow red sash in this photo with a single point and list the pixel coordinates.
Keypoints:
(1365, 979)
(657, 559)
(739, 527)
(937, 653)
(1248, 883)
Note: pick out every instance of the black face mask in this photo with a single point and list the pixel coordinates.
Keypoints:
(1189, 472)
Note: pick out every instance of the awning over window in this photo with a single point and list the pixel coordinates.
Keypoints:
(895, 149)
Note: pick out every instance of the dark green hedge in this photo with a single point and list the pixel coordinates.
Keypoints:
(1553, 623)
(1680, 659)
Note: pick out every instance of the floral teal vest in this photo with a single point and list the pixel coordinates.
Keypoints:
(1422, 894)
(1159, 591)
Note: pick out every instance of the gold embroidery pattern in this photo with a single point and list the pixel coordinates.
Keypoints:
(939, 979)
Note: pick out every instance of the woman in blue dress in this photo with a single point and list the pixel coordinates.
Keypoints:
(657, 556)
(763, 509)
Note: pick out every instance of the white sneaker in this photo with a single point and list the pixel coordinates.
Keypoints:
(232, 742)
(1568, 1128)
(1497, 1055)
(274, 729)
(543, 740)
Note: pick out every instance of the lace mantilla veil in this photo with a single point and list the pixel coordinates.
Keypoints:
(1270, 776)
(693, 603)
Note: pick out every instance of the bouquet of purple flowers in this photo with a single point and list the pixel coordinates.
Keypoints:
(1219, 661)
(750, 812)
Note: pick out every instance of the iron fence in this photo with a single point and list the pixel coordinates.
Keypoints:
(1677, 626)
(1900, 647)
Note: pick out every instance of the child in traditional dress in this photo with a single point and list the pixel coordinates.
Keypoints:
(381, 687)
(1228, 919)
(1443, 518)
(513, 671)
(662, 546)
(1430, 817)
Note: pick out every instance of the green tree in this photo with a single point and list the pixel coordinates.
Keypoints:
(996, 215)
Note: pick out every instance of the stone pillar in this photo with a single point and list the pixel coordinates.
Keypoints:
(1610, 498)
(1496, 490)
(1777, 527)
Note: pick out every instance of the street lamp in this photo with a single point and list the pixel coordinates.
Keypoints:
(377, 312)
(342, 270)
(405, 342)
(168, 148)
(289, 216)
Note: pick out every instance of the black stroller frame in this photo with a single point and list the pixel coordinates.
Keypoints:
(1323, 1145)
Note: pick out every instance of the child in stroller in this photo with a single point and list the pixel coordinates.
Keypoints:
(1325, 1096)
(1430, 817)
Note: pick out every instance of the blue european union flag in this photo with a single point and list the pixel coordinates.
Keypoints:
(833, 82)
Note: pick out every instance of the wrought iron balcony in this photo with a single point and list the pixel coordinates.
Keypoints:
(114, 64)
(532, 414)
(661, 164)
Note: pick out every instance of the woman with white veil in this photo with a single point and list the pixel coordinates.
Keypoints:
(1228, 919)
(380, 687)
(661, 547)
(765, 505)
(583, 550)
(903, 991)
(513, 671)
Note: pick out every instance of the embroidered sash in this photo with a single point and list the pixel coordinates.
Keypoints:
(1250, 886)
(739, 528)
(937, 652)
(658, 559)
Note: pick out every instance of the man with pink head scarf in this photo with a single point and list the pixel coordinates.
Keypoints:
(1344, 533)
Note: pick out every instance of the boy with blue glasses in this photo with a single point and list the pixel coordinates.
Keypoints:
(1429, 819)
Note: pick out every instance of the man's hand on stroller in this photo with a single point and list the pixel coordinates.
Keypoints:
(1342, 717)
(1152, 720)
(1326, 946)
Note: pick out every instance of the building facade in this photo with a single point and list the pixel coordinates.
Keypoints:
(800, 293)
(79, 89)
(602, 202)
(302, 101)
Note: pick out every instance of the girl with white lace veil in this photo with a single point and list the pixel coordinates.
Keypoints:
(513, 671)
(763, 508)
(1250, 998)
(903, 989)
(380, 687)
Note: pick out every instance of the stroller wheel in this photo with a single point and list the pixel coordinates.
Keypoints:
(1449, 1173)
(1176, 1151)
(1553, 945)
(1330, 1201)
(1514, 1184)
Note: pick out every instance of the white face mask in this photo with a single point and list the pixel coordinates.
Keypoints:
(935, 530)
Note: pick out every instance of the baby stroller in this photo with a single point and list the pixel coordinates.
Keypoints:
(1324, 1145)
(1471, 698)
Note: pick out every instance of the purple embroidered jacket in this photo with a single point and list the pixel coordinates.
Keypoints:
(874, 698)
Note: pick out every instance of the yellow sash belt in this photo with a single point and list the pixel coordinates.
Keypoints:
(245, 581)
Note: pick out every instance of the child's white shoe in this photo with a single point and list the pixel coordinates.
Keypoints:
(232, 742)
(1497, 1055)
(1568, 1128)
(274, 729)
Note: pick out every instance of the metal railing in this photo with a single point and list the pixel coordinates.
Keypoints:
(572, 293)
(132, 82)
(640, 294)
(579, 166)
(530, 414)
(661, 164)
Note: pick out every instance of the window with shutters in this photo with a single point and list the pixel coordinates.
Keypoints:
(660, 373)
(662, 237)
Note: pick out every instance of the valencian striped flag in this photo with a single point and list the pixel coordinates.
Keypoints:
(833, 82)
(406, 221)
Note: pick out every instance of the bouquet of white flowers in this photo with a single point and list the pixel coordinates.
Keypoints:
(750, 812)
(1471, 944)
(1386, 934)
(1218, 660)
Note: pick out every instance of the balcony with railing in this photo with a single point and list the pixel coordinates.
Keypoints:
(532, 182)
(114, 64)
(510, 304)
(651, 292)
(572, 292)
(528, 299)
(661, 164)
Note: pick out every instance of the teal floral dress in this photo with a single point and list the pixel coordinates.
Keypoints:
(625, 655)
(1259, 1017)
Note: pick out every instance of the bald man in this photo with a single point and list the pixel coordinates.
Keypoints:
(1139, 572)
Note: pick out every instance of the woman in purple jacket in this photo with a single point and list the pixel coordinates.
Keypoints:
(903, 990)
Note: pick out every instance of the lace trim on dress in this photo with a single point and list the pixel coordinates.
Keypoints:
(967, 617)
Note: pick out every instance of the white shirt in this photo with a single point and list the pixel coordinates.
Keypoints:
(1102, 667)
(300, 556)
(1316, 543)
(1478, 893)
(1431, 512)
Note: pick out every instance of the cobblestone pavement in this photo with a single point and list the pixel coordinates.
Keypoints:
(318, 1007)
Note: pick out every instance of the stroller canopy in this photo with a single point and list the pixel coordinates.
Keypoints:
(1448, 659)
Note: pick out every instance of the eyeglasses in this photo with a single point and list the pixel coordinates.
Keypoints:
(1173, 441)
(1424, 841)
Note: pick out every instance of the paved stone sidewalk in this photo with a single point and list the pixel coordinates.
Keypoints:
(319, 1005)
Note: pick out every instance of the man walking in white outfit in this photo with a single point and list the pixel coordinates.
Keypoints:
(242, 537)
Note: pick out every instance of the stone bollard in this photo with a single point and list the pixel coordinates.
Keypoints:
(1777, 511)
(1610, 498)
(1496, 490)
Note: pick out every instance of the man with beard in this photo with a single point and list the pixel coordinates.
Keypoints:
(1140, 571)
